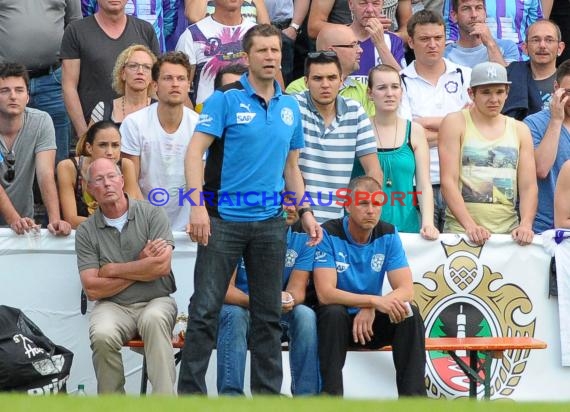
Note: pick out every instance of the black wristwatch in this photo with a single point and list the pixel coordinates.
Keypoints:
(304, 210)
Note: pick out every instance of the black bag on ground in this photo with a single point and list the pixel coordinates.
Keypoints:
(29, 361)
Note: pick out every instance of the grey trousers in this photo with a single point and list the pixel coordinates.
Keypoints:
(111, 325)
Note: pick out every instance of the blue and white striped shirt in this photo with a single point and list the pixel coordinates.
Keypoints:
(328, 157)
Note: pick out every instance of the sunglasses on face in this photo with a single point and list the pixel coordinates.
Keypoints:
(348, 45)
(321, 53)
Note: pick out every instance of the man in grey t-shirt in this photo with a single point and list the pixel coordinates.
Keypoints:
(89, 49)
(124, 253)
(27, 146)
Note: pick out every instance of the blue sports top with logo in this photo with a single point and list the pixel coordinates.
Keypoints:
(360, 268)
(252, 142)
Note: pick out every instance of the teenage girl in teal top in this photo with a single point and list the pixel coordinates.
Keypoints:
(404, 157)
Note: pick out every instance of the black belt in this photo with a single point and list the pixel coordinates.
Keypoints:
(282, 24)
(32, 74)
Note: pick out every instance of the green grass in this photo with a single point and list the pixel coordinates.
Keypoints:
(17, 403)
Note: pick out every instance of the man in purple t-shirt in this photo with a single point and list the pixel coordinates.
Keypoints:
(378, 46)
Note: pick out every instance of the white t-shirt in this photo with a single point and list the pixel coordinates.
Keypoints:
(161, 158)
(422, 99)
(119, 222)
(211, 46)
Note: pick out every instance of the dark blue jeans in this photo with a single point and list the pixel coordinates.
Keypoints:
(46, 95)
(299, 329)
(263, 245)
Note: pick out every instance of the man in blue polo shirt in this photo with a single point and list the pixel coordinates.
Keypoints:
(298, 320)
(356, 254)
(253, 134)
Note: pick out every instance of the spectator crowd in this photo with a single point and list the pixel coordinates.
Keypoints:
(292, 140)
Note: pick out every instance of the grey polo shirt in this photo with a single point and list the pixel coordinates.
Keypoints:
(97, 244)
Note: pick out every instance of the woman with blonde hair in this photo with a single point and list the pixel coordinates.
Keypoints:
(403, 153)
(102, 139)
(131, 81)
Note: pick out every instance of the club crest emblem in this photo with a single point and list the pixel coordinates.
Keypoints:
(469, 299)
(451, 87)
(377, 261)
(287, 116)
(290, 258)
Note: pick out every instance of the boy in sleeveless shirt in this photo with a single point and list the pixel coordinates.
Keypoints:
(486, 159)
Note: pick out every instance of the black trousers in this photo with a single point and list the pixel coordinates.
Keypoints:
(408, 348)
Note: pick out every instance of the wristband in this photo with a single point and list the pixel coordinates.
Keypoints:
(304, 210)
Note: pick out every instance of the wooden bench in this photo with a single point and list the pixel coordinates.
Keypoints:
(137, 343)
(491, 347)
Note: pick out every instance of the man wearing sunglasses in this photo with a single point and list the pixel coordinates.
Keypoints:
(27, 147)
(342, 40)
(30, 33)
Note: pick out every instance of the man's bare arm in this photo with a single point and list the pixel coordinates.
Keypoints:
(70, 82)
(562, 198)
(318, 16)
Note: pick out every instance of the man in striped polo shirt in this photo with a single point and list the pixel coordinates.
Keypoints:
(336, 131)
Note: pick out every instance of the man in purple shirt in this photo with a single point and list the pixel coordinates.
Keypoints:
(378, 46)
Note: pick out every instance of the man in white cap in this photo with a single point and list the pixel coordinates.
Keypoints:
(485, 158)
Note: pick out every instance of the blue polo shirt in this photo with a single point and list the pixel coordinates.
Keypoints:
(299, 257)
(360, 268)
(245, 164)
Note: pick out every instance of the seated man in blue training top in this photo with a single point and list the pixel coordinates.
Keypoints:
(298, 321)
(356, 253)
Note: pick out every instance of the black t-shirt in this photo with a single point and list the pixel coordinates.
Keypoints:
(546, 88)
(85, 40)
